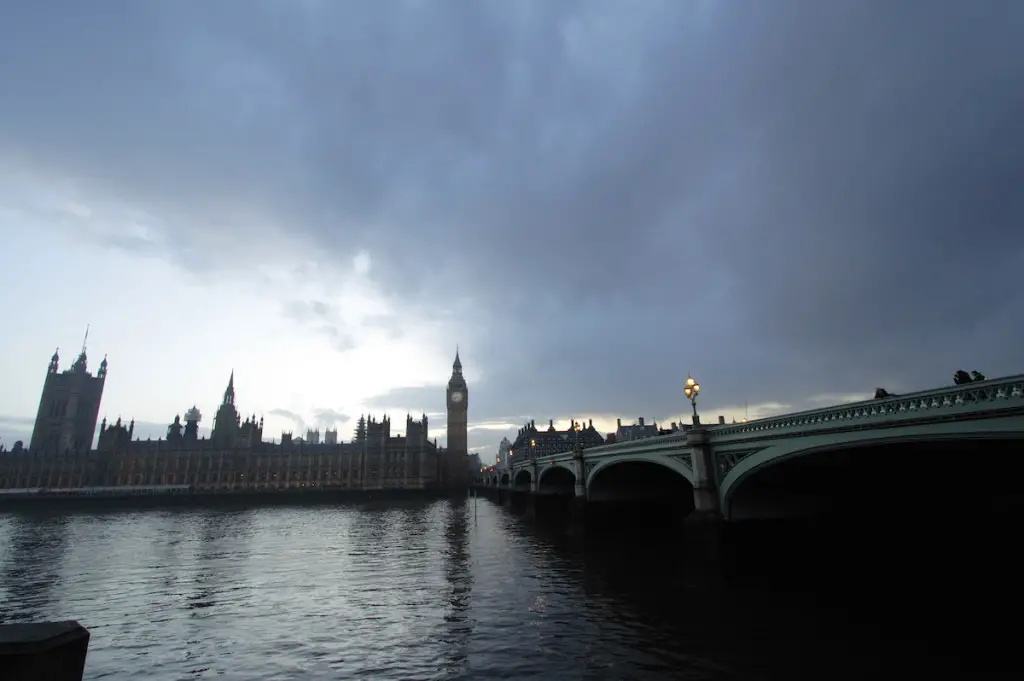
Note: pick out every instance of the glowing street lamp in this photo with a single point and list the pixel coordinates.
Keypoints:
(577, 446)
(691, 390)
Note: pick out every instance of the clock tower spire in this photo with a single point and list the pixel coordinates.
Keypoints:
(455, 465)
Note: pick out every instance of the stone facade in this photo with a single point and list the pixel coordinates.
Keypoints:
(532, 442)
(235, 458)
(69, 406)
(354, 466)
(637, 431)
(373, 460)
(456, 472)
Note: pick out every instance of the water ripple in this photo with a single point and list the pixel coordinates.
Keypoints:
(416, 591)
(413, 591)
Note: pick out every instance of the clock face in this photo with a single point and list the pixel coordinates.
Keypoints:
(457, 397)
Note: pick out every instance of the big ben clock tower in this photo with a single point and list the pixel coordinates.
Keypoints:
(458, 409)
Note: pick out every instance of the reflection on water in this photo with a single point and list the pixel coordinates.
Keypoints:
(458, 621)
(33, 551)
(433, 590)
(221, 548)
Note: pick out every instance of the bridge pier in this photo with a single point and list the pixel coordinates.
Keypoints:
(704, 526)
(578, 510)
(528, 504)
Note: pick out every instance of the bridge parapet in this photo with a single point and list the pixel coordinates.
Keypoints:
(979, 397)
(715, 459)
(648, 445)
(642, 444)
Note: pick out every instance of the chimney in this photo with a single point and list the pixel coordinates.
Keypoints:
(641, 421)
(618, 422)
(721, 420)
(590, 423)
(551, 423)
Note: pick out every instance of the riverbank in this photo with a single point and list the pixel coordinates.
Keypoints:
(129, 498)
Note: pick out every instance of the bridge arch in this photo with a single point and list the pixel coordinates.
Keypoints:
(661, 471)
(523, 479)
(504, 478)
(915, 456)
(558, 478)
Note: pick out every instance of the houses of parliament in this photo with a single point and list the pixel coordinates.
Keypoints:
(234, 459)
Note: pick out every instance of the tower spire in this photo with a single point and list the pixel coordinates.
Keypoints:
(80, 365)
(457, 366)
(229, 393)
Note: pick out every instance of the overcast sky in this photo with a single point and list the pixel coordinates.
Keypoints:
(795, 202)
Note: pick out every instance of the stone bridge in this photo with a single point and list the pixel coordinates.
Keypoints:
(946, 440)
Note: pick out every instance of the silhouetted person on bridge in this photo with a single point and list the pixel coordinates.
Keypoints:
(961, 377)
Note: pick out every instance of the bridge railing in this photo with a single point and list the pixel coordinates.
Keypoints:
(645, 444)
(981, 392)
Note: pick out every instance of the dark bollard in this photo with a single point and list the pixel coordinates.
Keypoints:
(45, 651)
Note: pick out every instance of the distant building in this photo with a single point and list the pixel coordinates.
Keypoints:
(234, 457)
(69, 406)
(531, 442)
(313, 436)
(228, 429)
(458, 427)
(637, 431)
(118, 436)
(502, 460)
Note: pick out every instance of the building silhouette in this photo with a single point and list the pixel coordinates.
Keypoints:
(532, 442)
(69, 405)
(637, 431)
(455, 471)
(229, 431)
(234, 458)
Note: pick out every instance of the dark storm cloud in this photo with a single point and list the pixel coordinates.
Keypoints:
(295, 418)
(330, 417)
(322, 318)
(323, 417)
(784, 198)
(416, 400)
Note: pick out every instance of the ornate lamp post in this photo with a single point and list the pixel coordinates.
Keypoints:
(691, 390)
(577, 448)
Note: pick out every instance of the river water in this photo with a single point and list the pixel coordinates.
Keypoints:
(429, 590)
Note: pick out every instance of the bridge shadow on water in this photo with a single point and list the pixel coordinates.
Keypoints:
(912, 543)
(890, 559)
